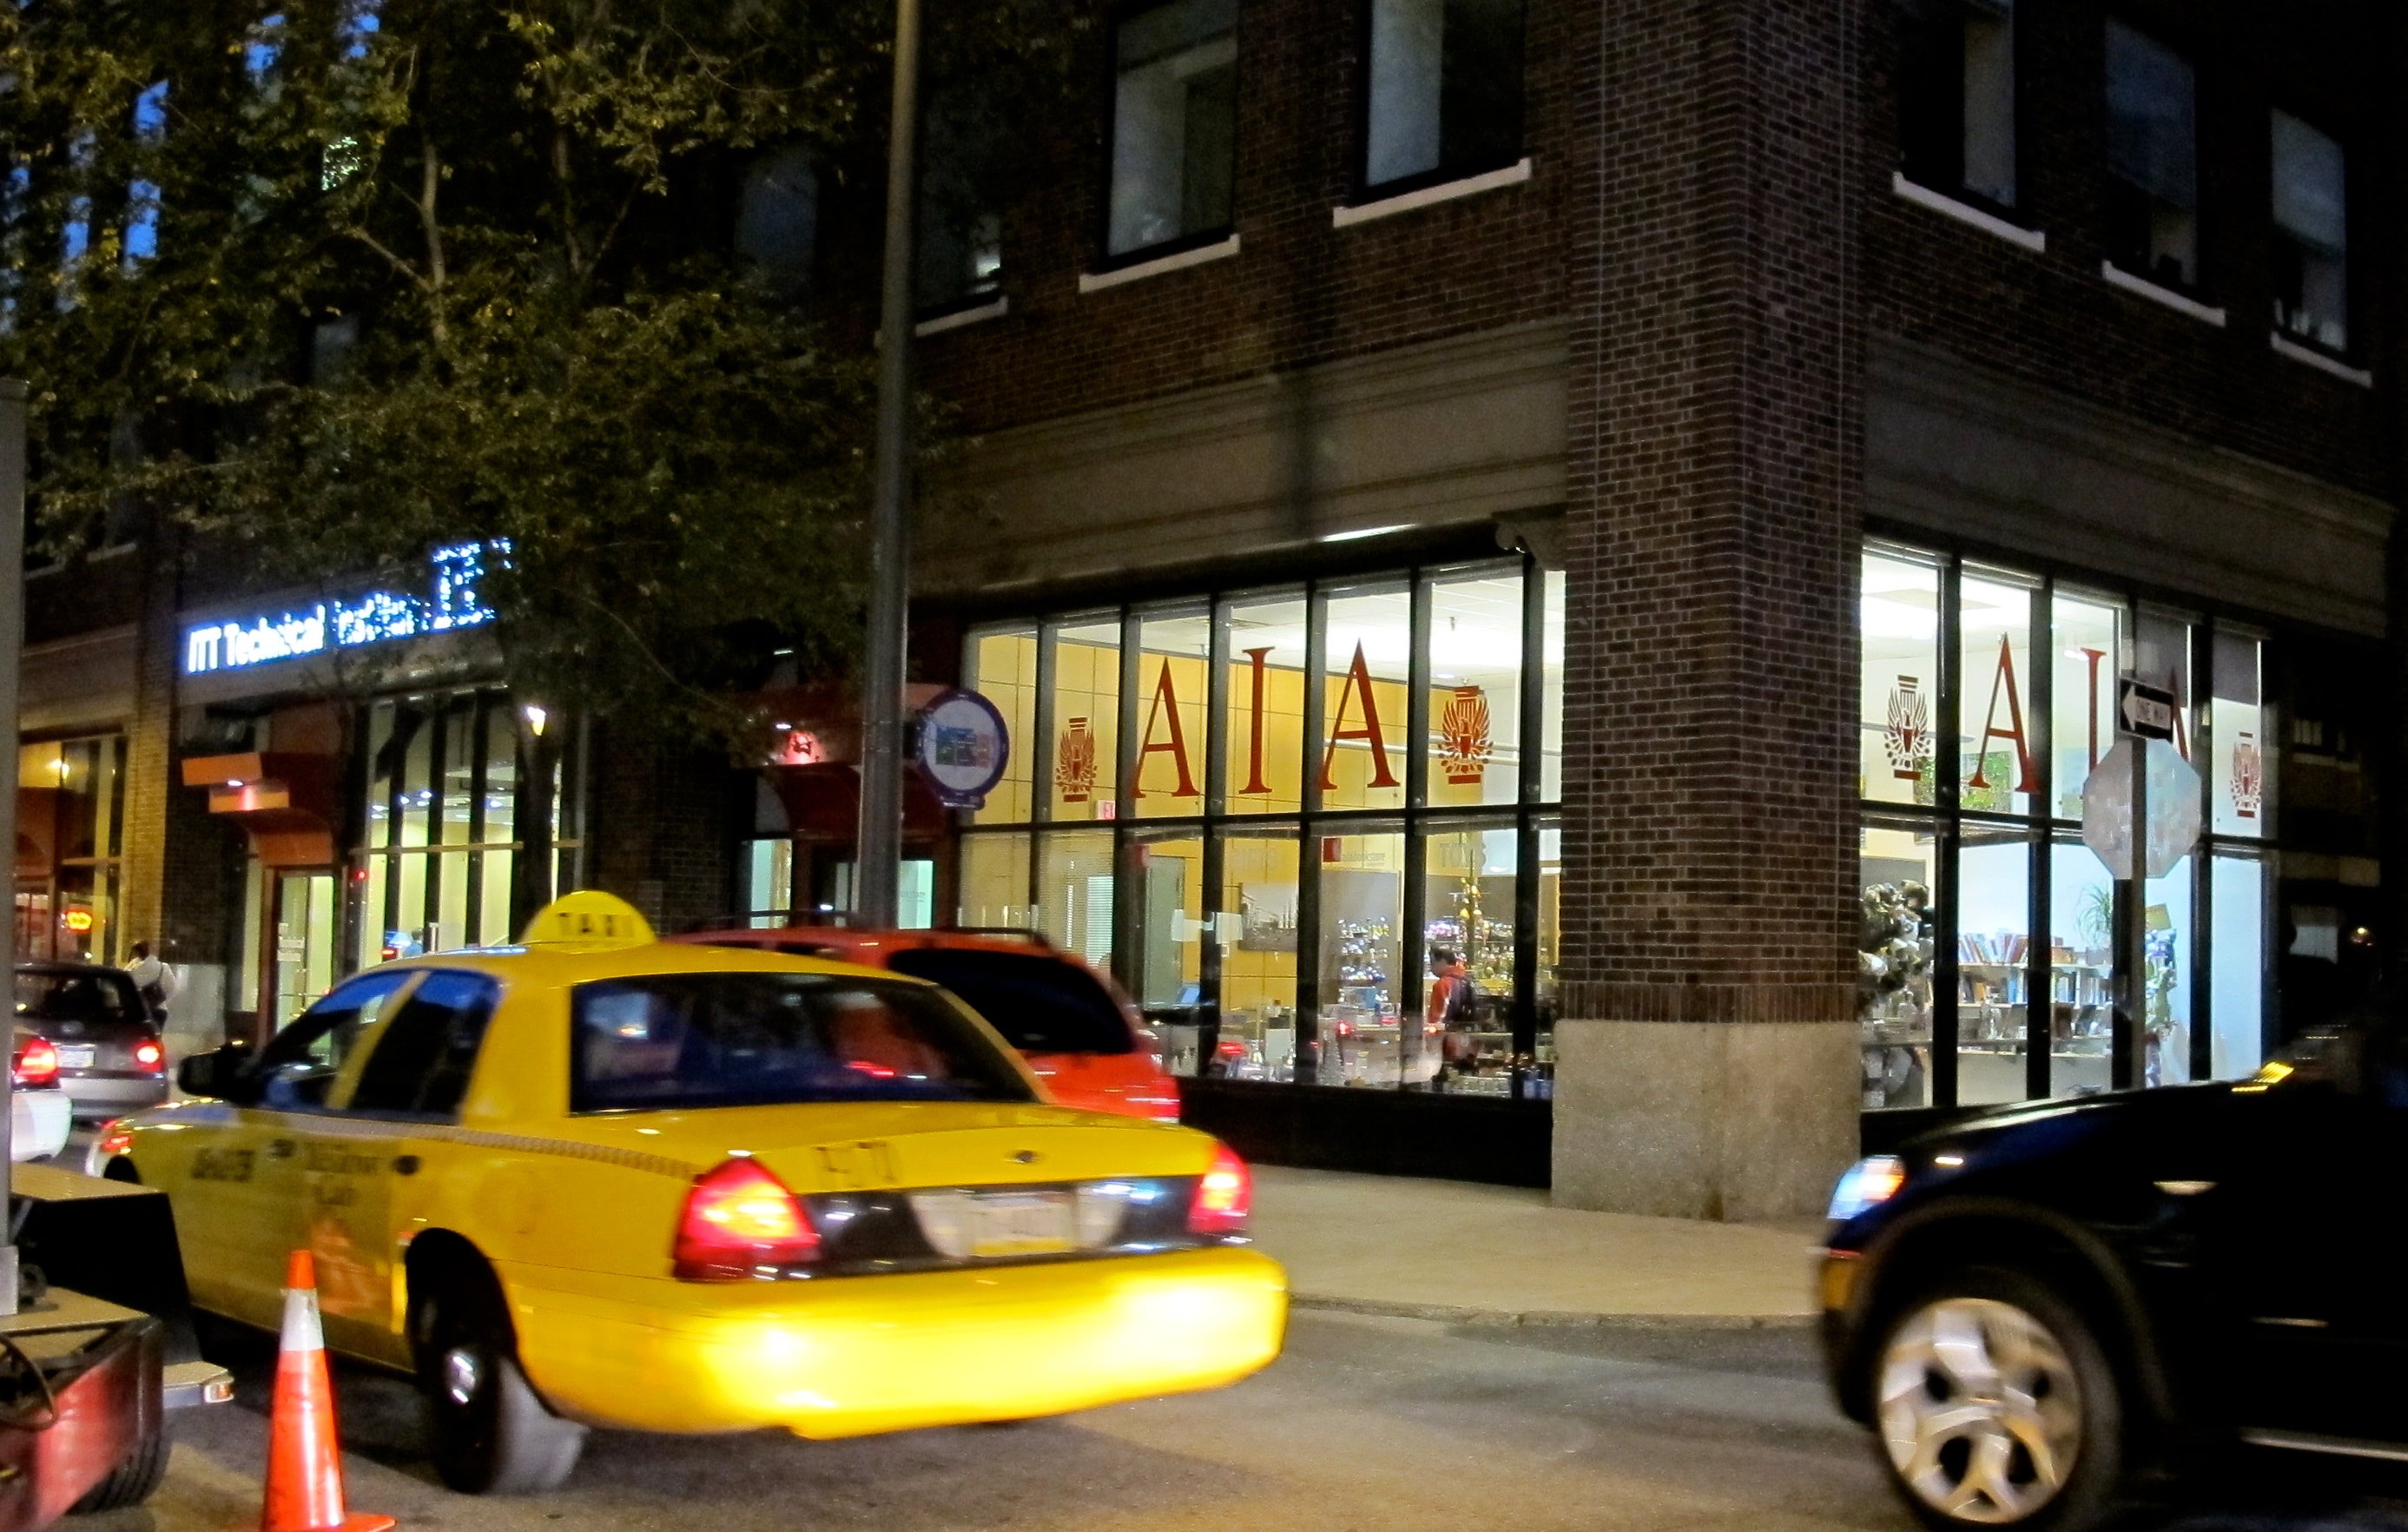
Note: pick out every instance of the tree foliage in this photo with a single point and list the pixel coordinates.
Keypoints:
(344, 285)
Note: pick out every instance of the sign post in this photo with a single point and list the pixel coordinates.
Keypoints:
(2137, 845)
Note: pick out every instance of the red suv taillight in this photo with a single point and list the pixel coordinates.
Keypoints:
(739, 1221)
(150, 1056)
(37, 1062)
(1224, 1196)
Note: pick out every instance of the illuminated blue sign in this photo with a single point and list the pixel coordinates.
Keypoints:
(371, 619)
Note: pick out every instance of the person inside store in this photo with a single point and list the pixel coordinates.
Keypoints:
(1449, 1012)
(154, 979)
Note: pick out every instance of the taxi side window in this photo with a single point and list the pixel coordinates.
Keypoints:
(422, 1063)
(299, 1064)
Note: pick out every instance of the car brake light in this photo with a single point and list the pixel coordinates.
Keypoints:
(740, 1221)
(37, 1062)
(150, 1056)
(1224, 1195)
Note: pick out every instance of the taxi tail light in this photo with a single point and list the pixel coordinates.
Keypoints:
(150, 1056)
(115, 1139)
(1224, 1195)
(738, 1221)
(37, 1062)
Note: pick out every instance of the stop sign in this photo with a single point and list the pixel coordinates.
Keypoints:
(2173, 808)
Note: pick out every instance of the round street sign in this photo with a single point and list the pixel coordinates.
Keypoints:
(963, 748)
(2173, 808)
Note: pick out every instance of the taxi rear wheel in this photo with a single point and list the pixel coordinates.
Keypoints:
(490, 1434)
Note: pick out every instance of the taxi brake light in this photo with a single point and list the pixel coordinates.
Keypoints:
(37, 1062)
(739, 1221)
(1224, 1195)
(115, 1139)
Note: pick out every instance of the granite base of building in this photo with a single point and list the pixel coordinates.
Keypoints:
(1726, 1120)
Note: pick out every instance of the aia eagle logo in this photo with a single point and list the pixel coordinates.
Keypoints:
(1074, 763)
(1908, 739)
(1464, 744)
(2248, 775)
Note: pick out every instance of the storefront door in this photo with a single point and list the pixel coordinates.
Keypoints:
(307, 926)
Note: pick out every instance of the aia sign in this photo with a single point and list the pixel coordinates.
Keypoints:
(1465, 746)
(1074, 763)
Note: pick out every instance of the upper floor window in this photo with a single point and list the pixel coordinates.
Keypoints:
(2152, 159)
(776, 220)
(1957, 98)
(1174, 124)
(961, 236)
(1445, 96)
(2311, 236)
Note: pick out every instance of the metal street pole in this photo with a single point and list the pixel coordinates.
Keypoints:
(12, 643)
(2128, 1070)
(878, 861)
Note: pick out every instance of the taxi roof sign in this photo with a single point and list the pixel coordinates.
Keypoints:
(588, 921)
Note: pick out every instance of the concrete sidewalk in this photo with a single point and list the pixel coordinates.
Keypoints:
(1501, 1255)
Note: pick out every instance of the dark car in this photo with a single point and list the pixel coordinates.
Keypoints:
(111, 1057)
(2043, 1310)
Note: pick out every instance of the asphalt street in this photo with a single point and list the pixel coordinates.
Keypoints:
(1374, 1424)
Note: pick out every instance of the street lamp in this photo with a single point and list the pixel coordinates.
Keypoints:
(878, 856)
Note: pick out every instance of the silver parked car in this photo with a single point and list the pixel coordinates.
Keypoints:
(111, 1060)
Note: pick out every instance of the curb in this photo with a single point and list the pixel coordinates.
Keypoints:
(1447, 1313)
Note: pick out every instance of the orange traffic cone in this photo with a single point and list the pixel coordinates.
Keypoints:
(304, 1462)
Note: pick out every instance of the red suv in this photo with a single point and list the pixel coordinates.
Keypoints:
(1073, 1025)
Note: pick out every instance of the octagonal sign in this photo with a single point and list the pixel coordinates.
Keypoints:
(2173, 808)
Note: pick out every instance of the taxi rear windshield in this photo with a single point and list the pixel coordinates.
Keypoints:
(1041, 1005)
(678, 1041)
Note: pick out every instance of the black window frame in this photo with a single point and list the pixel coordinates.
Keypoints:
(2115, 187)
(2277, 237)
(490, 1001)
(316, 1022)
(1363, 189)
(1105, 259)
(1916, 15)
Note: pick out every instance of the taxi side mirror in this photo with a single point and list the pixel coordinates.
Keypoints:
(218, 1074)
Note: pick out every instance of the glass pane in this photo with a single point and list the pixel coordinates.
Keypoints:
(1898, 694)
(2237, 967)
(2161, 647)
(380, 784)
(1366, 659)
(1166, 972)
(1997, 772)
(408, 935)
(994, 882)
(1362, 911)
(1465, 1043)
(2237, 777)
(1895, 926)
(1087, 720)
(1074, 893)
(1002, 667)
(82, 913)
(768, 875)
(371, 926)
(2170, 911)
(80, 782)
(1993, 954)
(1445, 87)
(1551, 694)
(2089, 639)
(501, 772)
(1256, 1038)
(1475, 702)
(1265, 707)
(2082, 967)
(1175, 653)
(451, 927)
(1174, 123)
(459, 770)
(414, 729)
(494, 921)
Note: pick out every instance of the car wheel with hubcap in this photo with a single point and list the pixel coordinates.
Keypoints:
(488, 1431)
(1994, 1405)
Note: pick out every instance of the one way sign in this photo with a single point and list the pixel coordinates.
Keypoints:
(2144, 711)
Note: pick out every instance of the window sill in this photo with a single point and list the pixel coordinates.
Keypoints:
(2034, 240)
(1096, 281)
(994, 308)
(2309, 356)
(2117, 277)
(1406, 202)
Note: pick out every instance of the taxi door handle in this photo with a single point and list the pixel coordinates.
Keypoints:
(279, 1149)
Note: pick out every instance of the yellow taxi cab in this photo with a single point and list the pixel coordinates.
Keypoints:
(598, 1180)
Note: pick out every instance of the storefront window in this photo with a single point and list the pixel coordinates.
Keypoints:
(439, 823)
(1996, 769)
(767, 873)
(1362, 961)
(1968, 866)
(2237, 778)
(1174, 661)
(1369, 941)
(1368, 660)
(1993, 965)
(70, 817)
(1898, 700)
(2089, 649)
(1465, 1043)
(1001, 665)
(1475, 690)
(1086, 720)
